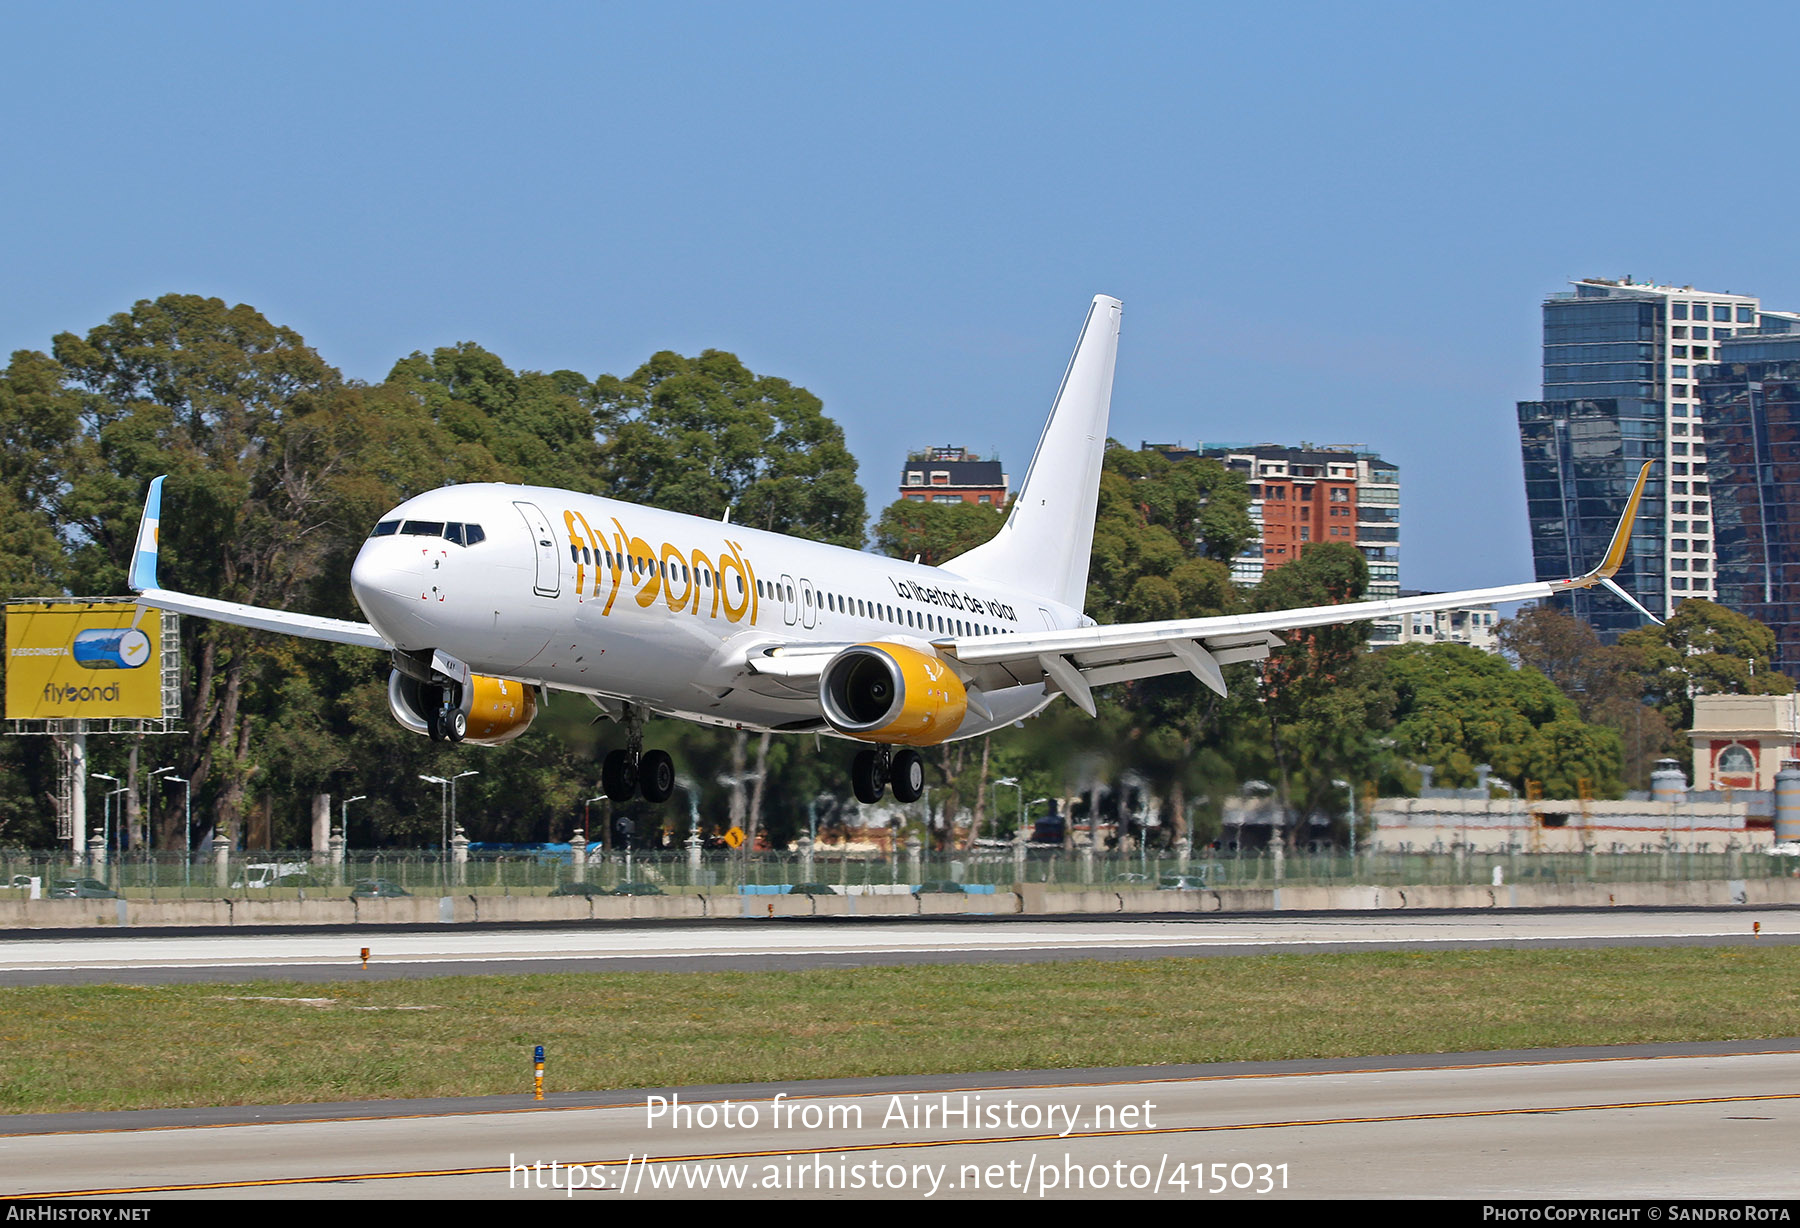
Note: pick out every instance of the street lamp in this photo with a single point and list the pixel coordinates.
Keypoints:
(112, 873)
(150, 807)
(187, 827)
(447, 802)
(344, 813)
(1012, 782)
(453, 781)
(1350, 796)
(443, 810)
(106, 808)
(587, 822)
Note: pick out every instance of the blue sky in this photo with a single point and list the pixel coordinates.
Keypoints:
(1331, 223)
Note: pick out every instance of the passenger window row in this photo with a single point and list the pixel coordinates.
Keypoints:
(877, 611)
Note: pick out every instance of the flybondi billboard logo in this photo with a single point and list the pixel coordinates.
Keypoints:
(84, 661)
(80, 694)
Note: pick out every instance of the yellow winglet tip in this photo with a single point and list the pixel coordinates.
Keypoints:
(1615, 553)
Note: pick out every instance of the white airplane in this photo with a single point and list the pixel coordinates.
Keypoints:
(486, 595)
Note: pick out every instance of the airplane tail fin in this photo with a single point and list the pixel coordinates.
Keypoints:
(1043, 547)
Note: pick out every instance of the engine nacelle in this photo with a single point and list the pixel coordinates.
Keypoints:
(498, 709)
(892, 693)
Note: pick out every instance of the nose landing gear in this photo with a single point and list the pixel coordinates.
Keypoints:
(449, 723)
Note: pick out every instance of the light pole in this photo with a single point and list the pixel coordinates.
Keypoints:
(1350, 797)
(150, 806)
(344, 813)
(187, 827)
(587, 822)
(443, 813)
(105, 809)
(109, 809)
(453, 781)
(1012, 782)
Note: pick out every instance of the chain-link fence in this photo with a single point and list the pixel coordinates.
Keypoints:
(290, 875)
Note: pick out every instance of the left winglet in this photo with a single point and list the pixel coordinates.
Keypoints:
(143, 557)
(1615, 552)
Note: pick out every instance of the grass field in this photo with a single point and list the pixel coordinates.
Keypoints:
(116, 1047)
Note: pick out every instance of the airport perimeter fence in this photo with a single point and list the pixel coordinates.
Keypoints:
(293, 874)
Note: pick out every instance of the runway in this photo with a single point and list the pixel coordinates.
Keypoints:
(1703, 1121)
(87, 957)
(1672, 1121)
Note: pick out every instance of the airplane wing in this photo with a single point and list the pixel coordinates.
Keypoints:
(1076, 660)
(142, 579)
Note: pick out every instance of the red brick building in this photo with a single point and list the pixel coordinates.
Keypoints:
(951, 475)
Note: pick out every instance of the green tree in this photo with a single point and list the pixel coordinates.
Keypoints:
(934, 533)
(1154, 557)
(1457, 707)
(1606, 683)
(1323, 703)
(539, 428)
(223, 401)
(705, 436)
(1703, 649)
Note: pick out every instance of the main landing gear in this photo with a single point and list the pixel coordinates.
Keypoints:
(878, 768)
(633, 772)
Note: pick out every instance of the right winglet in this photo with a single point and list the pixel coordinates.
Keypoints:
(143, 557)
(151, 595)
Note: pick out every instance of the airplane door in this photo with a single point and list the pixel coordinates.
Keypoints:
(790, 601)
(549, 569)
(809, 604)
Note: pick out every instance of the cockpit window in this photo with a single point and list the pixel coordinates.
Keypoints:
(460, 534)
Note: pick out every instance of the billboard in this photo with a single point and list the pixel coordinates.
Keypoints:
(70, 660)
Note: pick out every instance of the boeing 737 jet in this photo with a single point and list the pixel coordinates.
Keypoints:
(485, 595)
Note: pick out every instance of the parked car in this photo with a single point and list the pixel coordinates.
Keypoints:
(636, 889)
(273, 873)
(82, 889)
(938, 887)
(580, 889)
(812, 889)
(377, 889)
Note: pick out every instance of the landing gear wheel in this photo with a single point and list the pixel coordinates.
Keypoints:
(618, 776)
(908, 780)
(450, 725)
(867, 778)
(656, 776)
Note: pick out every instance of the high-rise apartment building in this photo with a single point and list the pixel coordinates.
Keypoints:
(1621, 385)
(1751, 397)
(1303, 495)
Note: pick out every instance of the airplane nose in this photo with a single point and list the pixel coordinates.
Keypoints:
(374, 573)
(385, 583)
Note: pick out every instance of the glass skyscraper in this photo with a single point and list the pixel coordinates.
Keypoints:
(1622, 362)
(1752, 403)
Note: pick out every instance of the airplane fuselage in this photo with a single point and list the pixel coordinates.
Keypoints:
(623, 602)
